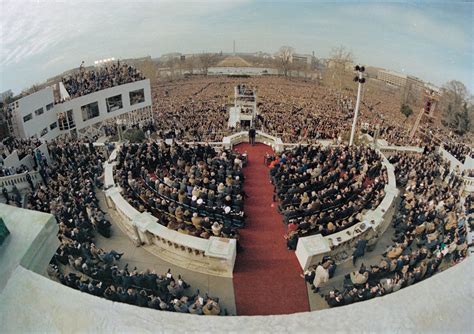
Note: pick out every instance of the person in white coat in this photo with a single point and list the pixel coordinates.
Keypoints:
(321, 276)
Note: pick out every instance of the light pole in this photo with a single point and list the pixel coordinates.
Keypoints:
(360, 80)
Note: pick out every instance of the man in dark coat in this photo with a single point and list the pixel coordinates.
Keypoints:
(252, 134)
(359, 250)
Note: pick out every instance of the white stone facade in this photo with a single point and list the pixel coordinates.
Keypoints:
(36, 115)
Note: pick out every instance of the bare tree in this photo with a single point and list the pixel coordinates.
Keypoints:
(206, 60)
(190, 64)
(457, 111)
(285, 58)
(339, 68)
(148, 68)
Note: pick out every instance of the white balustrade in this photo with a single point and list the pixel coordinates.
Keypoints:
(310, 250)
(468, 184)
(19, 180)
(215, 256)
(405, 149)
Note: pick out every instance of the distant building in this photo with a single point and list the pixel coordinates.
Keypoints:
(37, 114)
(170, 56)
(372, 71)
(331, 63)
(393, 78)
(302, 58)
(264, 55)
(401, 80)
(415, 82)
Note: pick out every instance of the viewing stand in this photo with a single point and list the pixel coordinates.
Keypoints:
(244, 111)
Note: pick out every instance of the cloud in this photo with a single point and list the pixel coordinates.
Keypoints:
(31, 28)
(44, 38)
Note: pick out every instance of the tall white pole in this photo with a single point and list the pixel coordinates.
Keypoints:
(356, 111)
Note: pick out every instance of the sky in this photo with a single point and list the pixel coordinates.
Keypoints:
(40, 39)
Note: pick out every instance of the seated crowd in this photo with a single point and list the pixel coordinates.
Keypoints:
(193, 190)
(459, 151)
(430, 232)
(68, 191)
(84, 81)
(324, 190)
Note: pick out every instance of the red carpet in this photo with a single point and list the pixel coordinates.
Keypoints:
(266, 275)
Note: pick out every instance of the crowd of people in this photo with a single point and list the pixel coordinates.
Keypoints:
(191, 189)
(68, 191)
(324, 190)
(459, 150)
(196, 109)
(86, 81)
(192, 110)
(430, 231)
(197, 190)
(22, 146)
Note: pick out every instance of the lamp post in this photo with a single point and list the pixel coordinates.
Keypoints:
(360, 80)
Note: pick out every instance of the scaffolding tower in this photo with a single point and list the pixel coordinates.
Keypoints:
(430, 101)
(244, 111)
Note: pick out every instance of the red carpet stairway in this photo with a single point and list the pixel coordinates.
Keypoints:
(266, 275)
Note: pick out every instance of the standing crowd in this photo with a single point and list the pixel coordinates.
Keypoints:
(430, 232)
(86, 81)
(68, 191)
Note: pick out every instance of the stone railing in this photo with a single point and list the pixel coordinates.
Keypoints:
(214, 256)
(311, 250)
(235, 139)
(19, 180)
(260, 137)
(457, 166)
(468, 183)
(322, 142)
(389, 150)
(31, 244)
(13, 159)
(453, 162)
(445, 294)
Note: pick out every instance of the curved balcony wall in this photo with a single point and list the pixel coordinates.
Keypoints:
(311, 250)
(213, 256)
